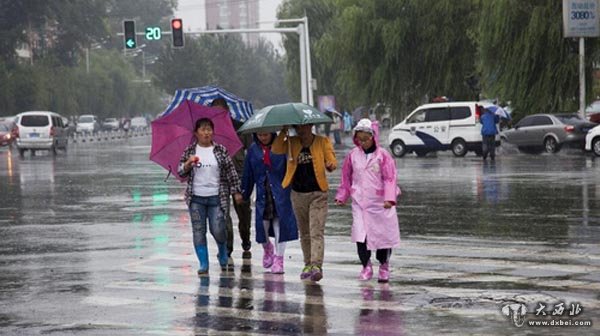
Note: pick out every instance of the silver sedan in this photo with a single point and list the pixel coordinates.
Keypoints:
(547, 132)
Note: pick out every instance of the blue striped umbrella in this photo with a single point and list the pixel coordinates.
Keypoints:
(239, 108)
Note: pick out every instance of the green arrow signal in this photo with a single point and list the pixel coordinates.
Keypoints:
(130, 43)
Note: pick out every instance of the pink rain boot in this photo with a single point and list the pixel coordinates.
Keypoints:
(268, 255)
(277, 267)
(384, 272)
(367, 272)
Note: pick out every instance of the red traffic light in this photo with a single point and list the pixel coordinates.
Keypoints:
(177, 32)
(176, 23)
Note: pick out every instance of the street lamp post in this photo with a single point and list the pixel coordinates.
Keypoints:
(87, 55)
(137, 51)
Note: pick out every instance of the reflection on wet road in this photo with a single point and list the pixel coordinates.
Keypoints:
(95, 243)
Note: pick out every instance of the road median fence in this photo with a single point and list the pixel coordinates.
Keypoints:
(108, 136)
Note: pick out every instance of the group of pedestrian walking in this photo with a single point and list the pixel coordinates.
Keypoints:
(289, 174)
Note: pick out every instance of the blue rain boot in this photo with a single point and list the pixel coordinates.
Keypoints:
(202, 254)
(223, 255)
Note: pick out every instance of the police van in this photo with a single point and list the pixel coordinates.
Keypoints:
(439, 126)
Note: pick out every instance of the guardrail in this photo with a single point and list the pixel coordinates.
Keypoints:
(106, 136)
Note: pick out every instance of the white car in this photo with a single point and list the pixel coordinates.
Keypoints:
(439, 126)
(592, 140)
(41, 130)
(139, 123)
(87, 123)
(110, 124)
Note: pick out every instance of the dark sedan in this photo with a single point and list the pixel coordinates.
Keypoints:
(8, 133)
(547, 132)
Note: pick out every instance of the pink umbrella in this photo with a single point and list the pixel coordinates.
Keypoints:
(172, 133)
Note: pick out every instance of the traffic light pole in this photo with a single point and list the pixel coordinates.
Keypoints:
(303, 41)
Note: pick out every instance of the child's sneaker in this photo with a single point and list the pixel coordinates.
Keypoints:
(367, 272)
(384, 272)
(306, 272)
(316, 273)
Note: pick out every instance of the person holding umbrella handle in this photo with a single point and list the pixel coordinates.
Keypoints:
(209, 184)
(311, 157)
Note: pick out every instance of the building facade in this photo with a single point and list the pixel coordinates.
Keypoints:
(233, 14)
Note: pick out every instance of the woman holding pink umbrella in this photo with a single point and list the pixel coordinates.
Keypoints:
(211, 178)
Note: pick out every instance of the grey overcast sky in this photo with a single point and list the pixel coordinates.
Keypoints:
(192, 13)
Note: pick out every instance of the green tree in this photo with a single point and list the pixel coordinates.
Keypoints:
(255, 73)
(525, 59)
(319, 14)
(394, 51)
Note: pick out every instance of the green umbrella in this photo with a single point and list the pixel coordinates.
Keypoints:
(272, 118)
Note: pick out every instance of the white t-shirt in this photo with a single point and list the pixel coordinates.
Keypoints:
(206, 173)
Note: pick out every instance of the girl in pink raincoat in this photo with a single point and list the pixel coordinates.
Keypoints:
(369, 177)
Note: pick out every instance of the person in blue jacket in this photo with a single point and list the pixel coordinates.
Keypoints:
(274, 213)
(488, 133)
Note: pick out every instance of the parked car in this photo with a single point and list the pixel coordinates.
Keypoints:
(439, 126)
(110, 124)
(592, 140)
(87, 123)
(41, 130)
(139, 123)
(8, 132)
(547, 132)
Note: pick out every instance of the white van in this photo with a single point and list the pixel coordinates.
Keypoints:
(439, 126)
(41, 130)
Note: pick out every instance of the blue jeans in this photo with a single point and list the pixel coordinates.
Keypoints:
(336, 137)
(201, 209)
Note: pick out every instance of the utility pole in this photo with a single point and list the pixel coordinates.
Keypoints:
(582, 77)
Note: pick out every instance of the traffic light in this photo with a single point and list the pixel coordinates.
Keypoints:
(129, 29)
(177, 32)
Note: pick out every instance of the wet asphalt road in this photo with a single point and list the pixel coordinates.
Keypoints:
(94, 242)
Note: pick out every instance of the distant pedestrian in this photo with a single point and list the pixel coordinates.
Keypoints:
(336, 126)
(488, 133)
(274, 213)
(369, 178)
(347, 122)
(311, 156)
(211, 177)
